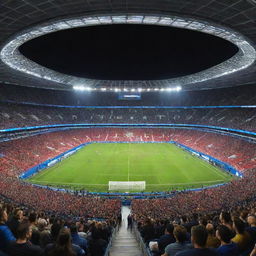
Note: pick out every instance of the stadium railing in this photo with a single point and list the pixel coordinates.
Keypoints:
(107, 252)
(142, 245)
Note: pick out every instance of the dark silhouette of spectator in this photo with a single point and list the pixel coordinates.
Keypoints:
(6, 235)
(76, 239)
(227, 247)
(22, 246)
(212, 240)
(63, 246)
(129, 221)
(251, 219)
(148, 231)
(166, 239)
(15, 220)
(198, 239)
(97, 246)
(242, 238)
(181, 244)
(225, 219)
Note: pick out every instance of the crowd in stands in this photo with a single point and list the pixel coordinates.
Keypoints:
(22, 154)
(39, 221)
(19, 155)
(220, 233)
(16, 156)
(13, 115)
(223, 197)
(26, 232)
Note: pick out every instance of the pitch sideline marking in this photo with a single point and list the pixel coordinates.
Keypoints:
(220, 174)
(43, 172)
(167, 184)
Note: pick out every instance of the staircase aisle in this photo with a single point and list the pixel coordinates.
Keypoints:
(125, 243)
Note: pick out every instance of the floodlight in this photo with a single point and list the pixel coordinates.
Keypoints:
(11, 56)
(78, 87)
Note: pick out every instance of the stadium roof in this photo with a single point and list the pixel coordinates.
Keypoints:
(234, 20)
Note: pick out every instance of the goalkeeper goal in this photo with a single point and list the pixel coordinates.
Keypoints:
(126, 185)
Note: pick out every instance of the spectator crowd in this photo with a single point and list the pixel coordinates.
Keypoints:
(26, 232)
(230, 232)
(21, 115)
(70, 212)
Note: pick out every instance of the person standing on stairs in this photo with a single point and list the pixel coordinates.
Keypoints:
(129, 221)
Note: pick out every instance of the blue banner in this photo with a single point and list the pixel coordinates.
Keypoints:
(50, 162)
(228, 168)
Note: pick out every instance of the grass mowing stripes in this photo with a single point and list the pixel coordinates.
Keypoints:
(163, 166)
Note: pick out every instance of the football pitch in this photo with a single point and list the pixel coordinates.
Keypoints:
(163, 166)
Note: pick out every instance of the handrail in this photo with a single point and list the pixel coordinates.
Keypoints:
(110, 242)
(142, 245)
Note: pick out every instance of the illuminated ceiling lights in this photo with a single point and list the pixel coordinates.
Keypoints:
(83, 88)
(12, 57)
(104, 89)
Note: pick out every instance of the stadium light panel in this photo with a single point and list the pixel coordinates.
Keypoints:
(79, 88)
(12, 57)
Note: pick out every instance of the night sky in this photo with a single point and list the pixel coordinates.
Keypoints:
(123, 52)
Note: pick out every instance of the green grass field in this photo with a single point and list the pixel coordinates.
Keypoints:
(163, 166)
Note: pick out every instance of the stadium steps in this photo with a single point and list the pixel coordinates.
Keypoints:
(124, 242)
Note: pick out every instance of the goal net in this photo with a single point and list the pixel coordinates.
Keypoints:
(127, 185)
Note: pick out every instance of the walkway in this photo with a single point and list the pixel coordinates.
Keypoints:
(125, 243)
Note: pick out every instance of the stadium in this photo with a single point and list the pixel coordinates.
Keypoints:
(128, 127)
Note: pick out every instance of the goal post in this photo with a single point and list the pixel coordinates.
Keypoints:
(126, 185)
